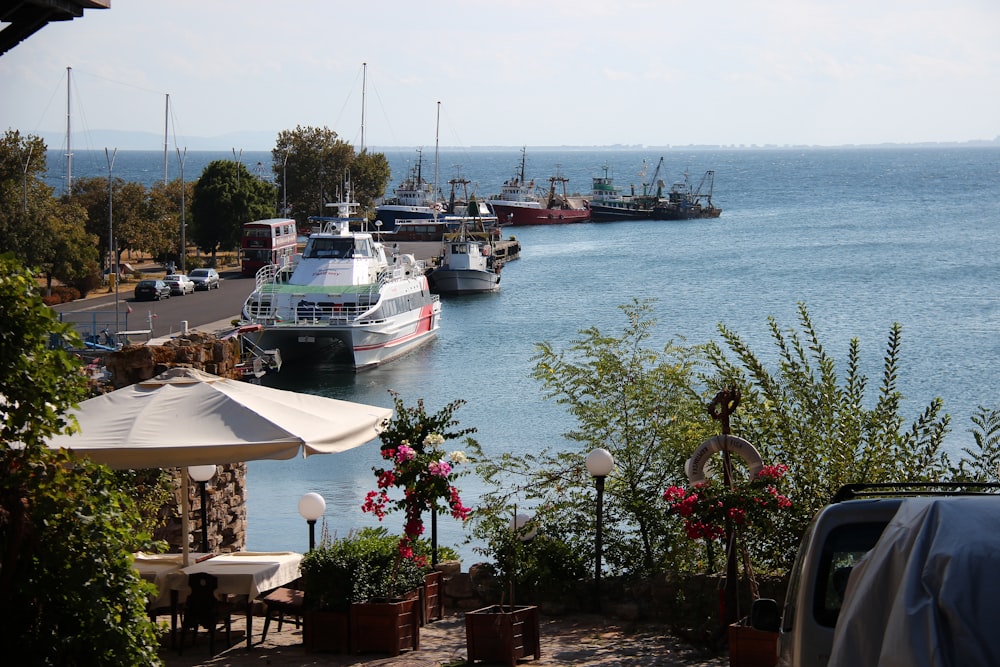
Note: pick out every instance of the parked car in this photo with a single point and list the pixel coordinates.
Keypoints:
(151, 290)
(205, 279)
(858, 575)
(179, 284)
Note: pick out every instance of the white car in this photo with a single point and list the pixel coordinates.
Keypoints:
(179, 284)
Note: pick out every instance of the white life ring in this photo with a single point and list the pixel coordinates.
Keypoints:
(695, 466)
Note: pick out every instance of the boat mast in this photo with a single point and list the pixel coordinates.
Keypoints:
(364, 85)
(69, 151)
(166, 120)
(523, 148)
(437, 136)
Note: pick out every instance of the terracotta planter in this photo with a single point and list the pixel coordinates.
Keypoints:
(385, 626)
(749, 647)
(326, 631)
(502, 634)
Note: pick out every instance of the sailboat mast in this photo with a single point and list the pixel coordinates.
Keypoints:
(166, 123)
(69, 151)
(437, 141)
(364, 84)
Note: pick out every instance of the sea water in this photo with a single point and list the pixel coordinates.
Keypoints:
(865, 237)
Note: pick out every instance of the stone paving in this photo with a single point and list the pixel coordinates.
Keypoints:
(581, 639)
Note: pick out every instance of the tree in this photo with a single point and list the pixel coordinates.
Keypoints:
(165, 211)
(639, 403)
(224, 198)
(72, 256)
(312, 166)
(68, 591)
(24, 196)
(823, 427)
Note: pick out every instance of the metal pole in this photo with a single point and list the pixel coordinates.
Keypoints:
(312, 533)
(180, 158)
(599, 541)
(204, 519)
(113, 263)
(434, 535)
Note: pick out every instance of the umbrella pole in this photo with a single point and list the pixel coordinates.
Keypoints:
(185, 523)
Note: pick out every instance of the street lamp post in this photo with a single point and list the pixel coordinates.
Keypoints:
(599, 464)
(284, 185)
(311, 507)
(180, 159)
(202, 474)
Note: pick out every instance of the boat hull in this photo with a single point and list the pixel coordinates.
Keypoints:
(462, 281)
(605, 213)
(357, 345)
(696, 212)
(518, 216)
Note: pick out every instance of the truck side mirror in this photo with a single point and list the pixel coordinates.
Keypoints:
(765, 615)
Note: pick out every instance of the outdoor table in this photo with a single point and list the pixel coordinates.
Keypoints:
(156, 569)
(243, 573)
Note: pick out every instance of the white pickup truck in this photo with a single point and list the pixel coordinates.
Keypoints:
(898, 574)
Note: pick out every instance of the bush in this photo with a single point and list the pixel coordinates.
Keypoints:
(363, 566)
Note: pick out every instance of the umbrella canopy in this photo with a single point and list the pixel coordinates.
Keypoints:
(186, 417)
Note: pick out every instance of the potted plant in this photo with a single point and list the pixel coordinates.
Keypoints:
(505, 632)
(712, 511)
(342, 577)
(424, 471)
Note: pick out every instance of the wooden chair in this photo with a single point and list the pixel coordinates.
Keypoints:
(278, 603)
(203, 609)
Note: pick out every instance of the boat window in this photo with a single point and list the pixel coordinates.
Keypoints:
(330, 248)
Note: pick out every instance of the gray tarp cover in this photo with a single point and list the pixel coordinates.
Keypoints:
(929, 592)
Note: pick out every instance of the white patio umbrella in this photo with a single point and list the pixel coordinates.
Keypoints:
(185, 417)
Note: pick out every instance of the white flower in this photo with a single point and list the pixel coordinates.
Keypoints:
(433, 439)
(458, 457)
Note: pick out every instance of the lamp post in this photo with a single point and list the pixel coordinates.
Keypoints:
(284, 185)
(311, 507)
(202, 474)
(599, 464)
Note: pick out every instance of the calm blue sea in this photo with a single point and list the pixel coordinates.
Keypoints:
(864, 236)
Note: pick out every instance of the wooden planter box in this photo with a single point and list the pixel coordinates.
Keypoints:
(502, 634)
(385, 627)
(326, 631)
(749, 647)
(432, 602)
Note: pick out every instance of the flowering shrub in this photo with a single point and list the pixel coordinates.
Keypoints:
(412, 444)
(707, 505)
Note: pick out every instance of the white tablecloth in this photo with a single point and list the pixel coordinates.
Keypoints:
(156, 569)
(247, 573)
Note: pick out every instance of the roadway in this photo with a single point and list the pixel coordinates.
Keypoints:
(210, 311)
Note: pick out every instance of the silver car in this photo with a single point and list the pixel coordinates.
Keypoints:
(205, 279)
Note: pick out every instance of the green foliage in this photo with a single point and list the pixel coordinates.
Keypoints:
(312, 166)
(824, 428)
(68, 591)
(226, 197)
(981, 463)
(635, 401)
(362, 566)
(536, 560)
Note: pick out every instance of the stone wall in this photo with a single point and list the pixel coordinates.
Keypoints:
(226, 492)
(686, 602)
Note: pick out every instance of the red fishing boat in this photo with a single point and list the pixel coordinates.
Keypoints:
(518, 204)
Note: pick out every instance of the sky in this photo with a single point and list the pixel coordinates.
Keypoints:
(515, 72)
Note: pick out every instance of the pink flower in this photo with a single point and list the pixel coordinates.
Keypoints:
(405, 453)
(439, 469)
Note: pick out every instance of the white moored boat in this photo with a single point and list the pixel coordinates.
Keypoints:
(468, 264)
(345, 300)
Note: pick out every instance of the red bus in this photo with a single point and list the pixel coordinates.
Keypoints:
(267, 242)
